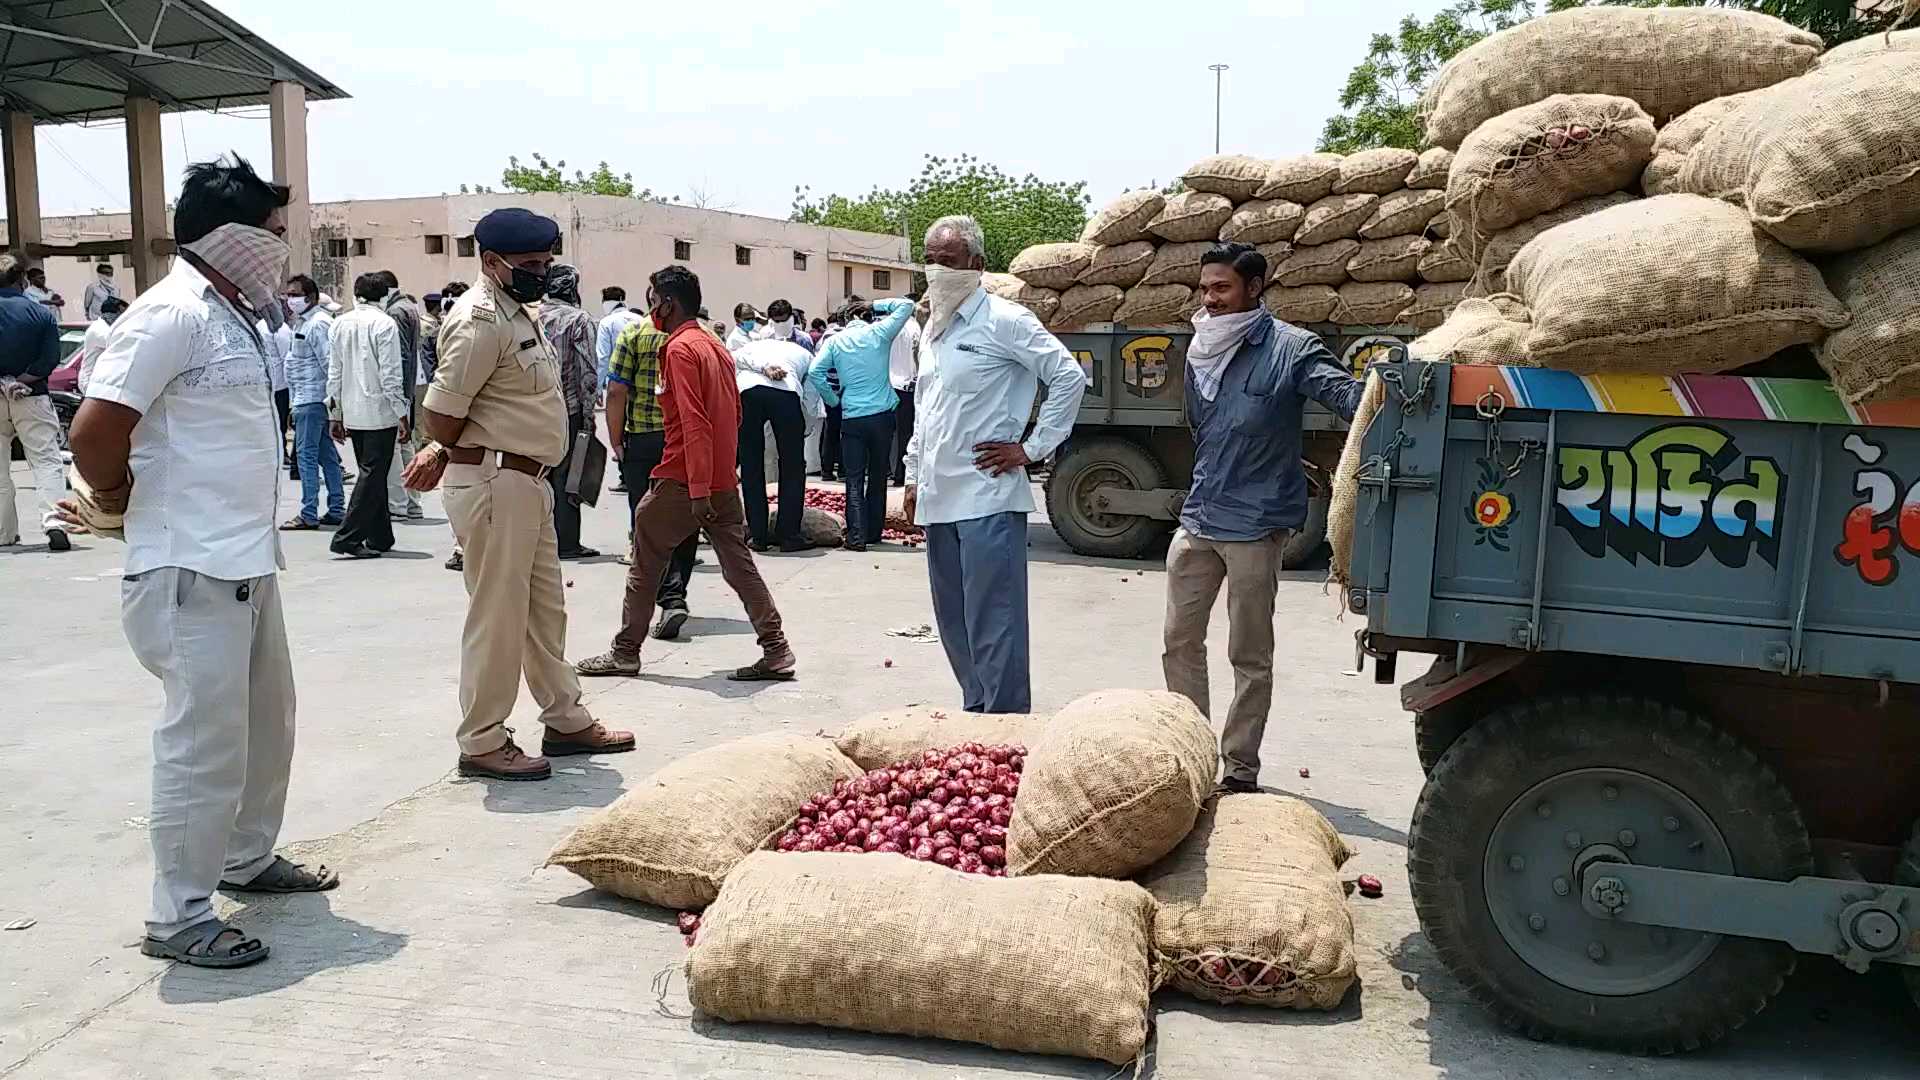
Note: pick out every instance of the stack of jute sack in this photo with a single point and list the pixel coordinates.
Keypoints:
(1684, 190)
(1345, 239)
(1123, 874)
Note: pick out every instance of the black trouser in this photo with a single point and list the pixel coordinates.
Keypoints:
(637, 462)
(760, 406)
(283, 404)
(902, 433)
(367, 521)
(566, 511)
(866, 442)
(830, 444)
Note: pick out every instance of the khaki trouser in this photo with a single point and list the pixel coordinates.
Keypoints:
(516, 605)
(33, 419)
(1251, 569)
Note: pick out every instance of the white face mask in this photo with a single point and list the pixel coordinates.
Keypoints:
(611, 306)
(297, 305)
(947, 289)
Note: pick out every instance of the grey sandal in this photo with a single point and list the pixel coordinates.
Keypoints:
(287, 877)
(194, 947)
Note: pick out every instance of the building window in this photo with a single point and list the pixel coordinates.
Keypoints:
(362, 248)
(742, 256)
(682, 250)
(336, 249)
(883, 279)
(436, 243)
(799, 260)
(126, 262)
(558, 246)
(846, 280)
(83, 258)
(464, 247)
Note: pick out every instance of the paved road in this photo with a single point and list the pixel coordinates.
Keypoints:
(448, 954)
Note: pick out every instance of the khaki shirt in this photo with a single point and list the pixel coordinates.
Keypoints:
(498, 372)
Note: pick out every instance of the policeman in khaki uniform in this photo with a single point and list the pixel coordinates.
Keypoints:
(499, 423)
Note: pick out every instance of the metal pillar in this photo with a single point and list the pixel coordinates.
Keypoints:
(146, 187)
(1217, 69)
(287, 104)
(22, 164)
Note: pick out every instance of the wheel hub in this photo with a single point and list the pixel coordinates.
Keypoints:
(1539, 851)
(1087, 502)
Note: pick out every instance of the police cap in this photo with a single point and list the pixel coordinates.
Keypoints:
(514, 230)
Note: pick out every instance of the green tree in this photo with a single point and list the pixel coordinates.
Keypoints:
(544, 175)
(1014, 212)
(1380, 102)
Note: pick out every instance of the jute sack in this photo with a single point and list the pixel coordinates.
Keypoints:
(1176, 264)
(1336, 217)
(1543, 156)
(1478, 331)
(1044, 303)
(1111, 784)
(999, 284)
(1052, 266)
(1191, 215)
(1275, 254)
(1047, 965)
(1396, 258)
(1872, 45)
(1085, 304)
(1263, 221)
(1343, 508)
(672, 838)
(891, 736)
(1431, 172)
(1375, 171)
(1303, 304)
(1432, 304)
(1442, 263)
(1498, 251)
(1372, 303)
(1322, 264)
(1403, 213)
(1125, 219)
(1877, 358)
(1236, 176)
(1302, 179)
(822, 528)
(1677, 140)
(1439, 228)
(1119, 264)
(1667, 59)
(1155, 305)
(1250, 908)
(1675, 284)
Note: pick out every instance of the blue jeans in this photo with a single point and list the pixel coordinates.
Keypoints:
(313, 448)
(978, 570)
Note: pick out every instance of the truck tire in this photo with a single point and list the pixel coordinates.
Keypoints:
(1436, 730)
(1088, 466)
(1907, 872)
(1305, 544)
(1532, 787)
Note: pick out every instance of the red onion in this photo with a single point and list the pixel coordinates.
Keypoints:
(946, 856)
(923, 850)
(938, 821)
(993, 855)
(947, 806)
(969, 842)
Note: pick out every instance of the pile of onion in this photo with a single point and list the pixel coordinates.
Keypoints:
(949, 807)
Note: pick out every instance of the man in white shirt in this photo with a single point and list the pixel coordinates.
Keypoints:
(95, 342)
(903, 371)
(38, 292)
(100, 291)
(772, 373)
(982, 360)
(615, 317)
(367, 401)
(175, 449)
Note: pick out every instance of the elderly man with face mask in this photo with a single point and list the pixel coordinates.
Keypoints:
(982, 361)
(499, 419)
(1248, 377)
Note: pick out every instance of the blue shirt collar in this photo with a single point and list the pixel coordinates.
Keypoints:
(970, 306)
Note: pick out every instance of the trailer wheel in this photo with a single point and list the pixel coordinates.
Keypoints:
(1533, 789)
(1907, 872)
(1305, 544)
(1435, 730)
(1083, 470)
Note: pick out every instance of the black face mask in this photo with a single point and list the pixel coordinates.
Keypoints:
(526, 286)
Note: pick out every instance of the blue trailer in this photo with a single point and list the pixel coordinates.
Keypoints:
(1670, 727)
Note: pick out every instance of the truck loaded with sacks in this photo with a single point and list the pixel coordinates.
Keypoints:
(1645, 495)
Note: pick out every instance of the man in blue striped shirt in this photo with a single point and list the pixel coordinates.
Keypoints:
(862, 355)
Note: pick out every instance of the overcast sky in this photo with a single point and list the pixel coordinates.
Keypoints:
(742, 101)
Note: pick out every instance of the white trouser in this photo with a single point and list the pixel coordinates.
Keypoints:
(224, 744)
(33, 419)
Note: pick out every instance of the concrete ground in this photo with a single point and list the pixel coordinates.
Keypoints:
(447, 953)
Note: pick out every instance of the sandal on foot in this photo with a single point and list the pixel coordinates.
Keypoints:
(282, 876)
(608, 664)
(196, 947)
(761, 671)
(298, 524)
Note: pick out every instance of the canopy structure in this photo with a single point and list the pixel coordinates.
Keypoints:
(83, 61)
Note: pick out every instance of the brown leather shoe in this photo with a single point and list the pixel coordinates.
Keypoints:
(598, 739)
(506, 763)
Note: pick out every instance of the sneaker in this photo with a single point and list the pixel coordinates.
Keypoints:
(669, 624)
(415, 513)
(456, 562)
(57, 540)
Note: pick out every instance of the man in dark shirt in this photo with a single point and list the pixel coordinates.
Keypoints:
(1248, 376)
(29, 352)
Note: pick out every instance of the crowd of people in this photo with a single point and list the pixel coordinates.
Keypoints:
(488, 393)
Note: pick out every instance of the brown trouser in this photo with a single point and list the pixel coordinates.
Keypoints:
(1251, 570)
(663, 521)
(516, 605)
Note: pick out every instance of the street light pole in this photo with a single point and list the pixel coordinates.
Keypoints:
(1216, 69)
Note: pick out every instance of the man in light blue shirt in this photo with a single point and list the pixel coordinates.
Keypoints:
(862, 355)
(982, 362)
(309, 325)
(615, 317)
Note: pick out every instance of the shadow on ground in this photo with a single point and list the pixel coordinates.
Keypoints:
(306, 939)
(594, 785)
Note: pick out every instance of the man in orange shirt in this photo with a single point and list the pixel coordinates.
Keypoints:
(693, 488)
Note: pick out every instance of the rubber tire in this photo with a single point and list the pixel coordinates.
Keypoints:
(1435, 731)
(1306, 544)
(1907, 872)
(1514, 748)
(1131, 457)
